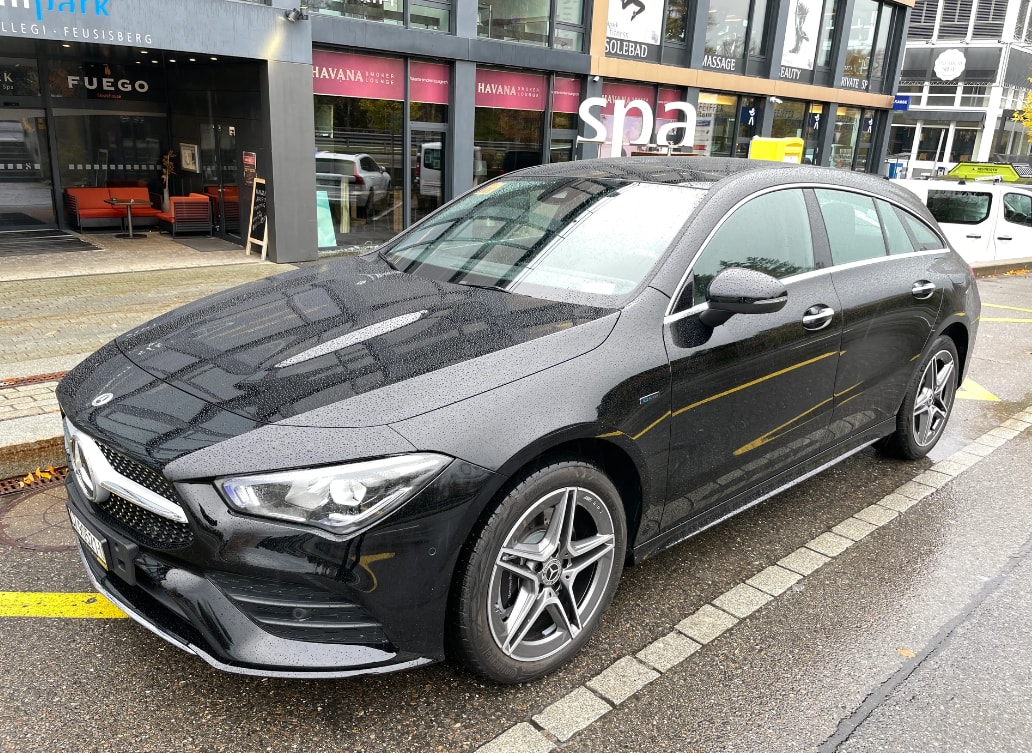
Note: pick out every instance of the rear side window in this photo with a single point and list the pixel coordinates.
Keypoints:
(959, 207)
(924, 237)
(1017, 208)
(896, 236)
(854, 231)
(770, 233)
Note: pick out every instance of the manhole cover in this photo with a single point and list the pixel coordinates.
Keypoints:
(36, 519)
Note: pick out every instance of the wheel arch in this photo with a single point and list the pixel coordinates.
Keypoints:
(961, 337)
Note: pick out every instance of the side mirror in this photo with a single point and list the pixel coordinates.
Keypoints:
(742, 291)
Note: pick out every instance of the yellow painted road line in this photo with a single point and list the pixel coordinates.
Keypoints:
(41, 604)
(1008, 308)
(970, 390)
(1026, 320)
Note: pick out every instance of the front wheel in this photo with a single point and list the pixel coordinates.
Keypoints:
(539, 573)
(928, 403)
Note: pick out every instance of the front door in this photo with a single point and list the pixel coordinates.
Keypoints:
(218, 166)
(753, 396)
(26, 190)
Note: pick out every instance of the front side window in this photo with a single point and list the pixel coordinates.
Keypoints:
(854, 230)
(1017, 208)
(573, 239)
(959, 207)
(783, 248)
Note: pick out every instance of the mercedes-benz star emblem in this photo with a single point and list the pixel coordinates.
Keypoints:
(81, 469)
(102, 399)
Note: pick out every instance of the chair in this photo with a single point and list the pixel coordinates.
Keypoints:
(187, 214)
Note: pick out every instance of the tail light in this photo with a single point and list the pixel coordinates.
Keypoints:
(359, 181)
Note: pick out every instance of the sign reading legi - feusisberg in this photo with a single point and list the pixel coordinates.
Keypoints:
(598, 134)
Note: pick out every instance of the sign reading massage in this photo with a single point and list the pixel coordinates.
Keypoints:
(634, 28)
(72, 20)
(342, 74)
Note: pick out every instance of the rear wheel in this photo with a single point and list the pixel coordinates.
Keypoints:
(540, 572)
(926, 409)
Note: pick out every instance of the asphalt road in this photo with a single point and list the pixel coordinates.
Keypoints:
(913, 638)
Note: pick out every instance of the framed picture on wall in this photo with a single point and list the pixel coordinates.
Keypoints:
(188, 158)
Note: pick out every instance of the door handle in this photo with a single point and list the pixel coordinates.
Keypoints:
(818, 317)
(1004, 238)
(923, 290)
(972, 235)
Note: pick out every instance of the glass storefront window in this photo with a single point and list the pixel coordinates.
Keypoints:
(963, 145)
(864, 140)
(727, 24)
(901, 139)
(827, 38)
(942, 95)
(526, 21)
(812, 143)
(861, 38)
(508, 122)
(789, 118)
(750, 120)
(847, 131)
(362, 172)
(974, 95)
(100, 149)
(676, 20)
(715, 122)
(881, 44)
(932, 141)
(423, 14)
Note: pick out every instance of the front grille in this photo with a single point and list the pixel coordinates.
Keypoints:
(140, 473)
(299, 612)
(143, 526)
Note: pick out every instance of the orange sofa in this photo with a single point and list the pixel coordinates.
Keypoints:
(88, 206)
(187, 214)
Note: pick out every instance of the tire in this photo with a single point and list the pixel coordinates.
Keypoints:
(927, 406)
(537, 576)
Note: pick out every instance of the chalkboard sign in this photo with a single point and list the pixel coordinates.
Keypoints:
(258, 227)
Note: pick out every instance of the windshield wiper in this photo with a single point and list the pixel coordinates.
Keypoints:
(386, 261)
(483, 287)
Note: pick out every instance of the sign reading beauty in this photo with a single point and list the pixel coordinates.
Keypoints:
(342, 74)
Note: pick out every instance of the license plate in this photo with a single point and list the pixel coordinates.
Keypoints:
(93, 542)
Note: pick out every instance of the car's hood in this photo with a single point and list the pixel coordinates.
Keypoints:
(298, 348)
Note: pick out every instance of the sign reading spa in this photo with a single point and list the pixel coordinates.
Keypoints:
(624, 117)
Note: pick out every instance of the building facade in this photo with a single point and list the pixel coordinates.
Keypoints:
(966, 69)
(363, 115)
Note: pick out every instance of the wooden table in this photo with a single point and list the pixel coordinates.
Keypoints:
(128, 204)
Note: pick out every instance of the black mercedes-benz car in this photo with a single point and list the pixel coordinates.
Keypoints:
(452, 445)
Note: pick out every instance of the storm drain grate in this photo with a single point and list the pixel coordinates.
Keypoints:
(36, 379)
(40, 480)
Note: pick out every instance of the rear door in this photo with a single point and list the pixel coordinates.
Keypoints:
(752, 396)
(890, 295)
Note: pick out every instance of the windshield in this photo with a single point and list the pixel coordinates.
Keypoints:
(569, 239)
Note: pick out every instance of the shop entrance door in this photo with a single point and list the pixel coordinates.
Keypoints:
(26, 189)
(218, 167)
(429, 175)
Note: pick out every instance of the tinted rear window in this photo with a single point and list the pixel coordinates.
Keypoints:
(336, 166)
(959, 207)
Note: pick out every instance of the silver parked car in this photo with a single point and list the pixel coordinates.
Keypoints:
(368, 183)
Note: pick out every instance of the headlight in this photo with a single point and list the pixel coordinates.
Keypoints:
(342, 499)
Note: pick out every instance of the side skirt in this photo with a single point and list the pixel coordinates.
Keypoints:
(789, 478)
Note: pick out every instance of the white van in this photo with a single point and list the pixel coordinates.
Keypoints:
(428, 173)
(983, 221)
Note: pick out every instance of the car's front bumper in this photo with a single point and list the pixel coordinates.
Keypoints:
(263, 598)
